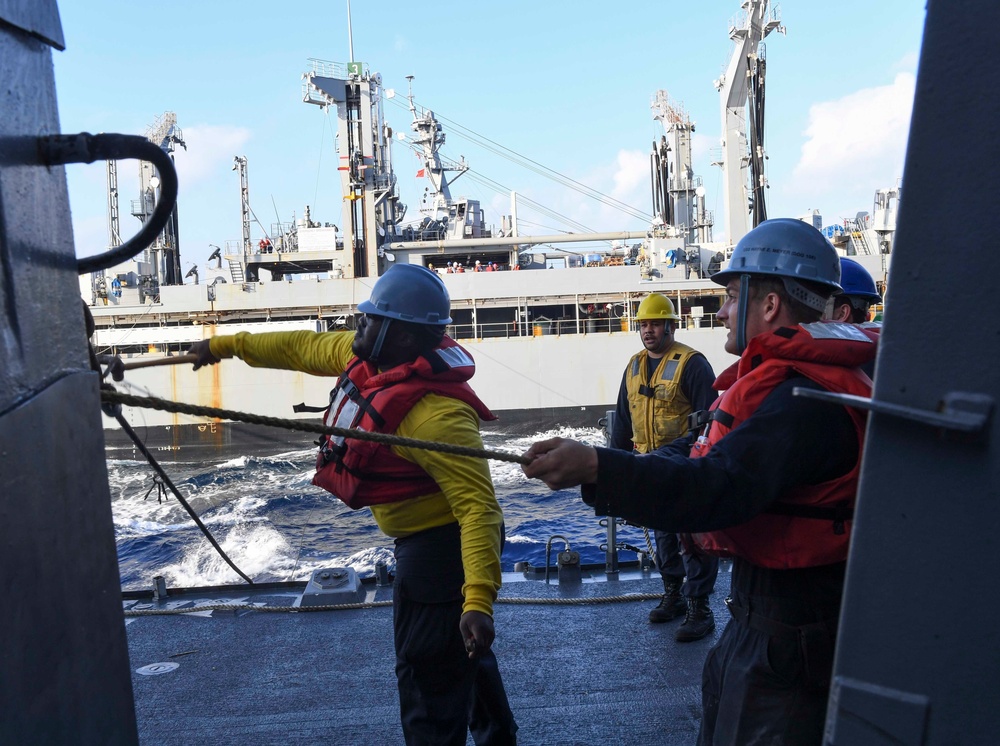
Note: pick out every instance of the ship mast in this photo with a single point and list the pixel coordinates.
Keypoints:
(754, 22)
(678, 194)
(240, 164)
(429, 137)
(164, 255)
(371, 209)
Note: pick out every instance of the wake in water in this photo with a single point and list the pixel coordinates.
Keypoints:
(276, 526)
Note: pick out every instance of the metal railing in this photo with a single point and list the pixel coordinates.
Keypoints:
(560, 327)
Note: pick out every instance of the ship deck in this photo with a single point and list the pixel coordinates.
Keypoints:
(580, 666)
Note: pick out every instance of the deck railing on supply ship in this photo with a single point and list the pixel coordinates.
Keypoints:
(558, 327)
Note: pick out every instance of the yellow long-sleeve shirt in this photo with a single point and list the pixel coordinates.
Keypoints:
(466, 490)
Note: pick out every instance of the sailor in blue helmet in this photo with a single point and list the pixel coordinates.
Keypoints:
(399, 373)
(853, 304)
(859, 292)
(768, 480)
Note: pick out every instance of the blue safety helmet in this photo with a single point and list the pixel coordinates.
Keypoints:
(787, 248)
(409, 292)
(791, 250)
(856, 281)
(406, 292)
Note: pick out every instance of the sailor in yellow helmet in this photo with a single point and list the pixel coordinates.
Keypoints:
(664, 383)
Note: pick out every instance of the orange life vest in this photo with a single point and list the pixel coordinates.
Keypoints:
(810, 525)
(362, 472)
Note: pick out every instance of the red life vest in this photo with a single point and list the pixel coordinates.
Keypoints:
(362, 472)
(810, 525)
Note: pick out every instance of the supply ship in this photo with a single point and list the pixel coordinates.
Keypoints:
(522, 325)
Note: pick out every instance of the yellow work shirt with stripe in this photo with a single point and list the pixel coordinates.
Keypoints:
(466, 492)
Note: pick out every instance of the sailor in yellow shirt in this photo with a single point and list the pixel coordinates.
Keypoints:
(400, 374)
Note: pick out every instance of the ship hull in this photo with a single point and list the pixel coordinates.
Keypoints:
(532, 383)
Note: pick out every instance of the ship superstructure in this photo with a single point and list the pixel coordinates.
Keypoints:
(521, 324)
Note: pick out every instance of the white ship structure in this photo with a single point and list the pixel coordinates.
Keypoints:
(550, 344)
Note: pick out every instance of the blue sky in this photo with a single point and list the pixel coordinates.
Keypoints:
(569, 89)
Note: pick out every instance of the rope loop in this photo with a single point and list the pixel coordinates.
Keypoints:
(374, 604)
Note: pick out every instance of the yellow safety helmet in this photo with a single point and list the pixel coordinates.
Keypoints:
(655, 306)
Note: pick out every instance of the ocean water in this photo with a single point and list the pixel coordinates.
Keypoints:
(276, 526)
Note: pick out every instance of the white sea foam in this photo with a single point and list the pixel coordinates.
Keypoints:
(519, 539)
(134, 527)
(275, 525)
(363, 563)
(304, 454)
(135, 516)
(257, 549)
(507, 473)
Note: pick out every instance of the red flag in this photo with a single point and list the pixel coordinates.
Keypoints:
(421, 173)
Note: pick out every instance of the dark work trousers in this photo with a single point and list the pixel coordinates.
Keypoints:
(763, 688)
(443, 695)
(701, 570)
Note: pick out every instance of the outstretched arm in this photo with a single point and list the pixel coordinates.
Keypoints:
(203, 350)
(317, 353)
(788, 442)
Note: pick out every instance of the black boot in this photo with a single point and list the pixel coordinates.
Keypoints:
(698, 622)
(671, 605)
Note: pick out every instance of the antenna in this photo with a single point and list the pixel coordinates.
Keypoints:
(409, 95)
(350, 36)
(276, 216)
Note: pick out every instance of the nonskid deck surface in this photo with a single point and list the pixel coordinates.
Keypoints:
(575, 674)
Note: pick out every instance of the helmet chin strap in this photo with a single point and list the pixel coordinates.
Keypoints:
(741, 314)
(379, 340)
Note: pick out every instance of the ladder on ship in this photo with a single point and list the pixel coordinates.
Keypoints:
(236, 270)
(865, 241)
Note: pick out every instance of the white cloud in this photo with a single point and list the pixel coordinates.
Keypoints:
(625, 179)
(853, 145)
(907, 63)
(210, 149)
(631, 176)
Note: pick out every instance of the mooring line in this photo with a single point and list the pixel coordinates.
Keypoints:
(151, 402)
